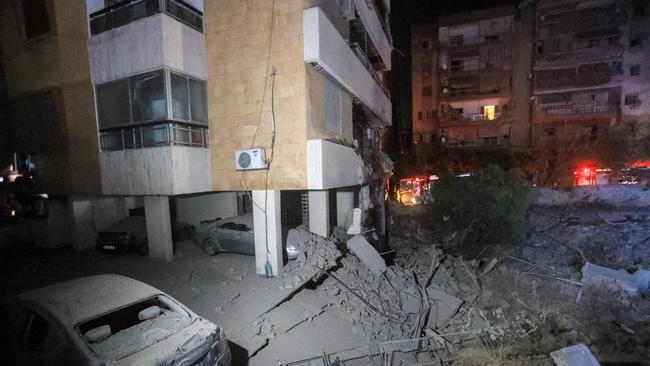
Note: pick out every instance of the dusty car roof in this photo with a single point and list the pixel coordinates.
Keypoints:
(76, 300)
(246, 219)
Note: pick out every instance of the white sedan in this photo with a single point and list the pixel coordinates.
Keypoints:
(109, 320)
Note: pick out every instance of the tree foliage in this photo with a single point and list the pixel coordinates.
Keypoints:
(488, 207)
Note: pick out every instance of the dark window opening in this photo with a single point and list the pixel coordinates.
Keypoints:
(426, 44)
(420, 116)
(632, 100)
(549, 132)
(635, 70)
(36, 18)
(636, 41)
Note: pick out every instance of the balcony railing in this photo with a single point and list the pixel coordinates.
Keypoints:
(495, 36)
(580, 109)
(361, 55)
(164, 134)
(131, 10)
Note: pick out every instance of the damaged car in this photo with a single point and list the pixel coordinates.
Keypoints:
(232, 234)
(108, 320)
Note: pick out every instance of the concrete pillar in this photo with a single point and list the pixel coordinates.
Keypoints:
(159, 227)
(268, 231)
(344, 207)
(319, 213)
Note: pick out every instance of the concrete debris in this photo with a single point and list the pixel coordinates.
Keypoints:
(367, 254)
(315, 253)
(355, 228)
(443, 307)
(576, 355)
(632, 284)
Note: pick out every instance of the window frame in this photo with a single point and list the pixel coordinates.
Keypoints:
(49, 8)
(168, 101)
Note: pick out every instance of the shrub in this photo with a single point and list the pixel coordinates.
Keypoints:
(488, 207)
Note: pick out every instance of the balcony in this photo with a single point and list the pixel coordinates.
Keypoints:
(129, 11)
(497, 36)
(154, 41)
(575, 113)
(376, 28)
(329, 53)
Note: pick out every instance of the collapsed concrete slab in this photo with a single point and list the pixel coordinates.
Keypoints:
(367, 254)
(633, 284)
(443, 307)
(576, 355)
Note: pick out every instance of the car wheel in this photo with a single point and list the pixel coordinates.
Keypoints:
(143, 249)
(210, 246)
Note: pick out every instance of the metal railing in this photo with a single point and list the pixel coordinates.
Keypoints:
(579, 109)
(129, 11)
(164, 134)
(501, 33)
(361, 55)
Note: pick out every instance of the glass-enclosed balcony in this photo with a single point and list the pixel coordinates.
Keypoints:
(157, 108)
(121, 13)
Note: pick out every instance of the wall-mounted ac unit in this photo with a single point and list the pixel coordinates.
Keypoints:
(250, 159)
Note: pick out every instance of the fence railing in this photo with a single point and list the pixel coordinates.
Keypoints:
(164, 134)
(129, 11)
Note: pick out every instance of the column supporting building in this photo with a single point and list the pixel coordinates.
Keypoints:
(319, 212)
(268, 231)
(159, 227)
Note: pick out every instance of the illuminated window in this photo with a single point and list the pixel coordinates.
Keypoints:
(489, 111)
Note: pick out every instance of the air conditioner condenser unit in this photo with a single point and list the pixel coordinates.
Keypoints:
(250, 159)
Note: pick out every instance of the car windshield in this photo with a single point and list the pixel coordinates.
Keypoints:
(130, 329)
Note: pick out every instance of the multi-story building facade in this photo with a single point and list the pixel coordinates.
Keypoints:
(164, 93)
(463, 71)
(555, 77)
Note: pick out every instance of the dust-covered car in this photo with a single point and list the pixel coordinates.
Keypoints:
(130, 234)
(232, 234)
(108, 320)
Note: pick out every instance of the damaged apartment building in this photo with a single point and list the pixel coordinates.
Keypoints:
(544, 74)
(195, 111)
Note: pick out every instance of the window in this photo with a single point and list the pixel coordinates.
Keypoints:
(426, 44)
(456, 40)
(420, 116)
(332, 107)
(492, 39)
(113, 104)
(36, 18)
(148, 97)
(635, 70)
(180, 97)
(427, 91)
(198, 101)
(632, 100)
(636, 41)
(616, 68)
(143, 98)
(549, 132)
